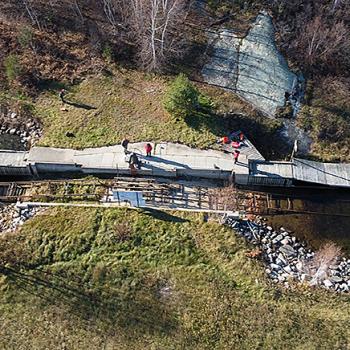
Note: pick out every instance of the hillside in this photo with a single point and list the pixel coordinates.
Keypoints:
(50, 45)
(130, 279)
(120, 279)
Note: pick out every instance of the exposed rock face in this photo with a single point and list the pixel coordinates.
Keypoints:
(251, 66)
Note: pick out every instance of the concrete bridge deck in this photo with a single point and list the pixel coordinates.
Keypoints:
(168, 160)
(175, 160)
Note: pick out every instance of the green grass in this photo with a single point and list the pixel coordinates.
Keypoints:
(122, 279)
(129, 104)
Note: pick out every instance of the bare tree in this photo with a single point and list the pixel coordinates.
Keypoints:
(318, 41)
(31, 12)
(77, 10)
(157, 25)
(110, 11)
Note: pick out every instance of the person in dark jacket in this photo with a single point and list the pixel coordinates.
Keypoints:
(61, 95)
(134, 160)
(124, 144)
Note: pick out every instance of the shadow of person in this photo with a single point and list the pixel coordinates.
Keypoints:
(79, 105)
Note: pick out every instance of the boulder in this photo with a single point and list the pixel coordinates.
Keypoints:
(287, 250)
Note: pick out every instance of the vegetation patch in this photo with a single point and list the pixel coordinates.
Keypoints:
(116, 278)
(327, 118)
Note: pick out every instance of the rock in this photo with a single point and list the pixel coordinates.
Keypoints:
(344, 287)
(282, 259)
(251, 66)
(275, 267)
(299, 266)
(288, 269)
(285, 241)
(12, 131)
(287, 250)
(277, 239)
(327, 283)
(335, 279)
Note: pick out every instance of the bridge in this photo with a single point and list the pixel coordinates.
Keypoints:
(170, 160)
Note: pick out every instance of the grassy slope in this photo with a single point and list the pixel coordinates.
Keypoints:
(129, 103)
(157, 282)
(327, 117)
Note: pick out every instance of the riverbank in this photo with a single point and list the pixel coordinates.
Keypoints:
(289, 260)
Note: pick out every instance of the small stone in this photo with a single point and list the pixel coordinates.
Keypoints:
(335, 279)
(277, 239)
(288, 269)
(287, 250)
(285, 241)
(327, 283)
(299, 265)
(275, 267)
(282, 259)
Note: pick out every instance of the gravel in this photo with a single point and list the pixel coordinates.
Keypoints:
(12, 217)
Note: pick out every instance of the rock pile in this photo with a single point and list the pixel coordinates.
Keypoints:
(11, 217)
(289, 259)
(29, 132)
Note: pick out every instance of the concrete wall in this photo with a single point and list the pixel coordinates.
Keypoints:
(56, 168)
(15, 171)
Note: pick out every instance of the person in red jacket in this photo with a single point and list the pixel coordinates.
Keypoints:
(236, 155)
(148, 149)
(236, 144)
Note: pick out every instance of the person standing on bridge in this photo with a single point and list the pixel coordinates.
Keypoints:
(124, 144)
(148, 149)
(236, 154)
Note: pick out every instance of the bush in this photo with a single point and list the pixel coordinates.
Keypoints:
(182, 97)
(25, 37)
(107, 53)
(12, 67)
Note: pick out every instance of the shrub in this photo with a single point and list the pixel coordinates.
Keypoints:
(12, 67)
(25, 37)
(182, 97)
(107, 53)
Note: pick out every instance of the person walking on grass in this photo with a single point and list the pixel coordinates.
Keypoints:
(61, 95)
(148, 149)
(236, 155)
